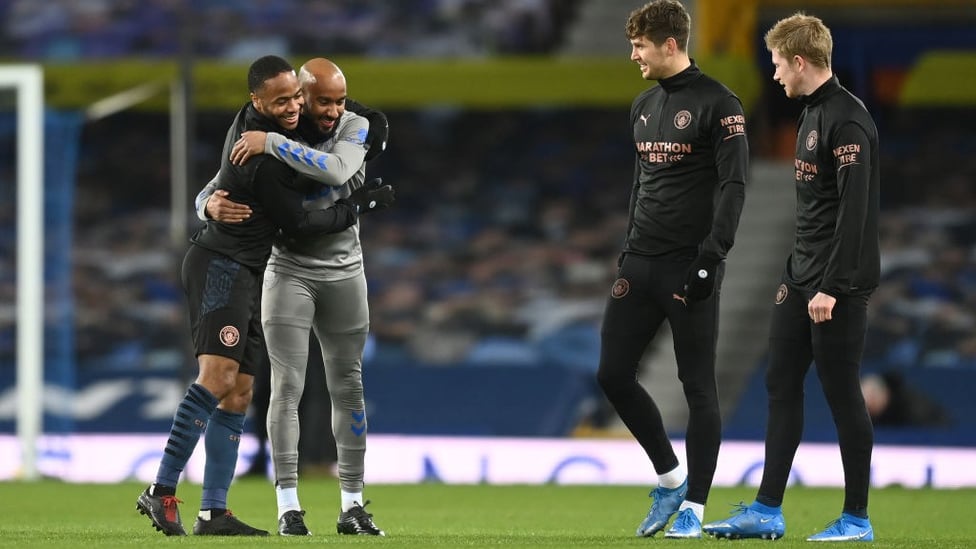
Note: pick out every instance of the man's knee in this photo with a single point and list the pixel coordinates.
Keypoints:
(613, 380)
(240, 396)
(218, 374)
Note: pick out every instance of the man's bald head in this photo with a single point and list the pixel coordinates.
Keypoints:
(324, 88)
(319, 70)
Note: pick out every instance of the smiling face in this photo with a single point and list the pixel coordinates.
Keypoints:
(788, 73)
(324, 87)
(280, 98)
(325, 100)
(654, 61)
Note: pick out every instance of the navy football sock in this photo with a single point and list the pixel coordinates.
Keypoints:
(222, 442)
(189, 422)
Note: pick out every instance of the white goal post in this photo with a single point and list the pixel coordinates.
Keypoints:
(27, 82)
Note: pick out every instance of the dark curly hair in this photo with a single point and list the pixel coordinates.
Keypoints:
(659, 19)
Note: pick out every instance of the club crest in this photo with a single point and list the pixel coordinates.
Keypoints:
(781, 294)
(811, 140)
(620, 288)
(682, 119)
(229, 336)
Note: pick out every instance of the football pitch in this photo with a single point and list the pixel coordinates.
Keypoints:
(55, 514)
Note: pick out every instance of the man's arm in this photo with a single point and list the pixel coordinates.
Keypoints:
(219, 209)
(283, 203)
(852, 159)
(379, 128)
(635, 183)
(632, 205)
(334, 168)
(731, 164)
(204, 196)
(273, 184)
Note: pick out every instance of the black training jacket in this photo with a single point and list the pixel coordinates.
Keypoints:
(838, 181)
(692, 160)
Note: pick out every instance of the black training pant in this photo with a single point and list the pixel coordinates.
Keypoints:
(641, 299)
(835, 346)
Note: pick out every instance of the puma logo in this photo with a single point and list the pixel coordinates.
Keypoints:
(644, 118)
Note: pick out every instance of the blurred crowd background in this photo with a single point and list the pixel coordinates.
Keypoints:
(243, 31)
(504, 239)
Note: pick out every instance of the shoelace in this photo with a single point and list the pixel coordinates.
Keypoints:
(170, 501)
(291, 519)
(658, 494)
(234, 520)
(230, 516)
(835, 526)
(684, 521)
(738, 508)
(170, 509)
(359, 512)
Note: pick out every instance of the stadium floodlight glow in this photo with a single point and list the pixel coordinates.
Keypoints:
(28, 84)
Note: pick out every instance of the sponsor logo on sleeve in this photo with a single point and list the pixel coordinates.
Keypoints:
(734, 125)
(847, 155)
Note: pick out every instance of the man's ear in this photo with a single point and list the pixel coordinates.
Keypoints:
(800, 62)
(672, 45)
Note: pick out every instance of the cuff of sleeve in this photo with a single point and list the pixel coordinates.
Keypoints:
(352, 205)
(202, 214)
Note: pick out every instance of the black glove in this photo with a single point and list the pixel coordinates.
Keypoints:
(374, 195)
(700, 282)
(379, 133)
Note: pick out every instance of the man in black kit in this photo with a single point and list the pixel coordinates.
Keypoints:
(820, 311)
(688, 192)
(222, 275)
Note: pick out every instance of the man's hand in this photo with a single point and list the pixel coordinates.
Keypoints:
(821, 307)
(374, 195)
(700, 281)
(225, 210)
(250, 144)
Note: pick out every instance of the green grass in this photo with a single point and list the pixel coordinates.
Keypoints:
(54, 514)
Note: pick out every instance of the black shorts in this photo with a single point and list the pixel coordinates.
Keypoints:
(224, 301)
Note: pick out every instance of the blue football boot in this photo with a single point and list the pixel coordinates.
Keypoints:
(746, 522)
(666, 503)
(846, 528)
(686, 526)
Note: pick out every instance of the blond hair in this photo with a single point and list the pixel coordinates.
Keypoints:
(803, 35)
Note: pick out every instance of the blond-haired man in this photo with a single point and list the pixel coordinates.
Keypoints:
(820, 311)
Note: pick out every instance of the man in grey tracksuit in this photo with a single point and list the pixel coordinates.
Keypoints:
(316, 283)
